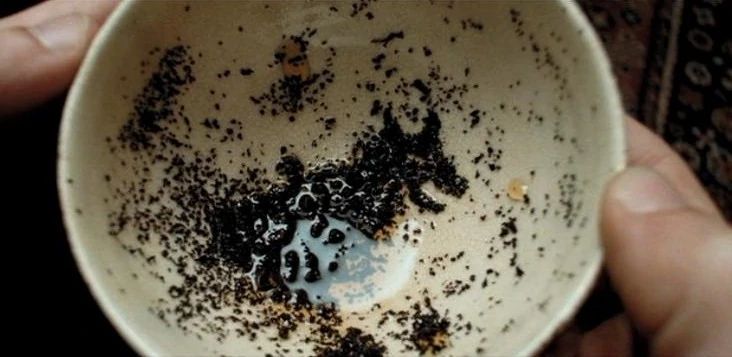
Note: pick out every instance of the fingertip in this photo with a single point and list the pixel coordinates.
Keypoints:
(39, 62)
(67, 33)
(640, 190)
(647, 149)
(651, 236)
(631, 195)
(48, 10)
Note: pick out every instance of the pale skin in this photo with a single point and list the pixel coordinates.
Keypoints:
(668, 248)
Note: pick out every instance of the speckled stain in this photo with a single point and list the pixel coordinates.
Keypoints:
(222, 234)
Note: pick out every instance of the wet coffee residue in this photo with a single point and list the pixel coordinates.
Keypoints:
(299, 86)
(429, 329)
(423, 328)
(221, 234)
(355, 344)
(246, 221)
(367, 190)
(156, 104)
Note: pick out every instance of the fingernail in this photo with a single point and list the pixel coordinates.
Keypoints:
(64, 32)
(641, 190)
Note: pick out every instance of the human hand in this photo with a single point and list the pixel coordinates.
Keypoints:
(669, 256)
(42, 48)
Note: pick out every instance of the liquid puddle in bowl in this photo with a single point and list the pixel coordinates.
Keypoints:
(354, 272)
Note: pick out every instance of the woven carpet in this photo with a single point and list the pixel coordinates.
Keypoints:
(673, 62)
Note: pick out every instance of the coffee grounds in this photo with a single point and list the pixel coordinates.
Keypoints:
(298, 87)
(244, 222)
(243, 218)
(355, 344)
(429, 330)
(423, 327)
(155, 105)
(384, 41)
(366, 191)
(225, 245)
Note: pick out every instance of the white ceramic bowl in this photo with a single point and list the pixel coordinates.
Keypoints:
(526, 100)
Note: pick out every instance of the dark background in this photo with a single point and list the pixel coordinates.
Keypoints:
(49, 306)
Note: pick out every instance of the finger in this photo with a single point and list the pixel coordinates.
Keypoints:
(613, 337)
(565, 344)
(647, 149)
(39, 60)
(48, 10)
(669, 261)
(702, 324)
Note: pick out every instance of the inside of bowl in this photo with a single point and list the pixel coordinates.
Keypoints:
(186, 117)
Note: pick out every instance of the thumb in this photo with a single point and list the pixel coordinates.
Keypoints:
(670, 263)
(39, 61)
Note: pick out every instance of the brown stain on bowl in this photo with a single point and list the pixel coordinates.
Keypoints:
(294, 59)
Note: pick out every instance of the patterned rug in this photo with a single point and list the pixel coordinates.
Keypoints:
(673, 61)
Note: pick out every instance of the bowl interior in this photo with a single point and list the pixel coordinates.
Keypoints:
(181, 110)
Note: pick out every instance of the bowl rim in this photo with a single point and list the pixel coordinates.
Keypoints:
(115, 316)
(142, 345)
(608, 83)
